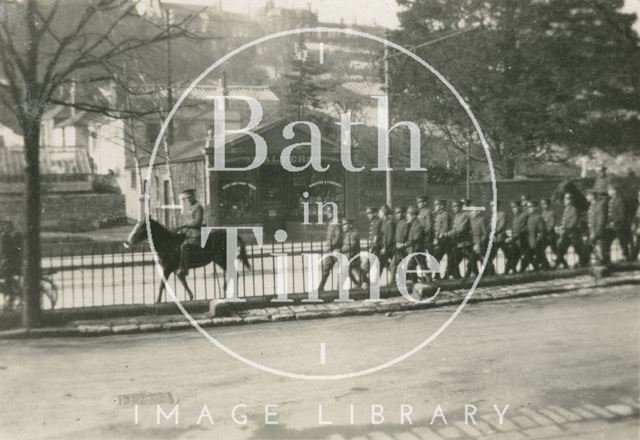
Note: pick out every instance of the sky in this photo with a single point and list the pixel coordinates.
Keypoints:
(381, 12)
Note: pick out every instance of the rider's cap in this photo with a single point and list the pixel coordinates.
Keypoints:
(188, 192)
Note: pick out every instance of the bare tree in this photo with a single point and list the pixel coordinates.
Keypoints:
(46, 47)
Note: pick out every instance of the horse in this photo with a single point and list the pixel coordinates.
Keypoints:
(579, 200)
(627, 189)
(167, 246)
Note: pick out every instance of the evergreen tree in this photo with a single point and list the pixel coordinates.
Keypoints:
(303, 86)
(541, 76)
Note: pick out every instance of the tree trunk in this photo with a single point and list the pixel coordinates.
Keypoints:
(31, 249)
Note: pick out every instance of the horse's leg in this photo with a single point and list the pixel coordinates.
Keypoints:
(166, 273)
(183, 280)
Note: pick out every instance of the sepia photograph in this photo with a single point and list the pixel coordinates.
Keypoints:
(319, 219)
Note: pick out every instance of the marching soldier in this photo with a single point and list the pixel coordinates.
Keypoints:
(601, 185)
(373, 241)
(636, 231)
(518, 239)
(414, 242)
(387, 238)
(332, 244)
(401, 232)
(535, 240)
(597, 225)
(499, 239)
(351, 248)
(192, 220)
(460, 235)
(569, 232)
(440, 243)
(426, 221)
(550, 235)
(618, 224)
(479, 235)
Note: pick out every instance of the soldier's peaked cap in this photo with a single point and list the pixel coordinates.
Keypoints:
(188, 192)
(399, 210)
(422, 198)
(385, 208)
(370, 209)
(412, 210)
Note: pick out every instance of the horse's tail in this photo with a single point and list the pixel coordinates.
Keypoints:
(243, 254)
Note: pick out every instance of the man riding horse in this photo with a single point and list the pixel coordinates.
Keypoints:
(192, 220)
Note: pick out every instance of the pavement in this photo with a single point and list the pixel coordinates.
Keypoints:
(159, 323)
(567, 365)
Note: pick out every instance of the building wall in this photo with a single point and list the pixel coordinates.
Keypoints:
(66, 212)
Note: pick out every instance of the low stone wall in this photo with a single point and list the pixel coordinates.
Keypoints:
(66, 212)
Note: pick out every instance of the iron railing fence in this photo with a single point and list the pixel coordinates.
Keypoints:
(108, 275)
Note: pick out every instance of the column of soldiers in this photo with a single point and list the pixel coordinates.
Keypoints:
(535, 232)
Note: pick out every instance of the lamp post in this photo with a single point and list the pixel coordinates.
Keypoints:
(387, 85)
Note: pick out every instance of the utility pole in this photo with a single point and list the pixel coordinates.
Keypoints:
(387, 86)
(468, 170)
(170, 133)
(387, 89)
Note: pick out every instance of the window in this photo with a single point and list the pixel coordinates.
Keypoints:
(134, 179)
(57, 137)
(70, 136)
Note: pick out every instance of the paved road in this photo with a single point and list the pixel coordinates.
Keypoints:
(569, 359)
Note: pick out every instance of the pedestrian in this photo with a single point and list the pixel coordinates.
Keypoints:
(480, 236)
(401, 233)
(387, 239)
(618, 224)
(374, 239)
(569, 234)
(460, 235)
(332, 244)
(351, 249)
(534, 255)
(10, 261)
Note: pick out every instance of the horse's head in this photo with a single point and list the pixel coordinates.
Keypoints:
(137, 235)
